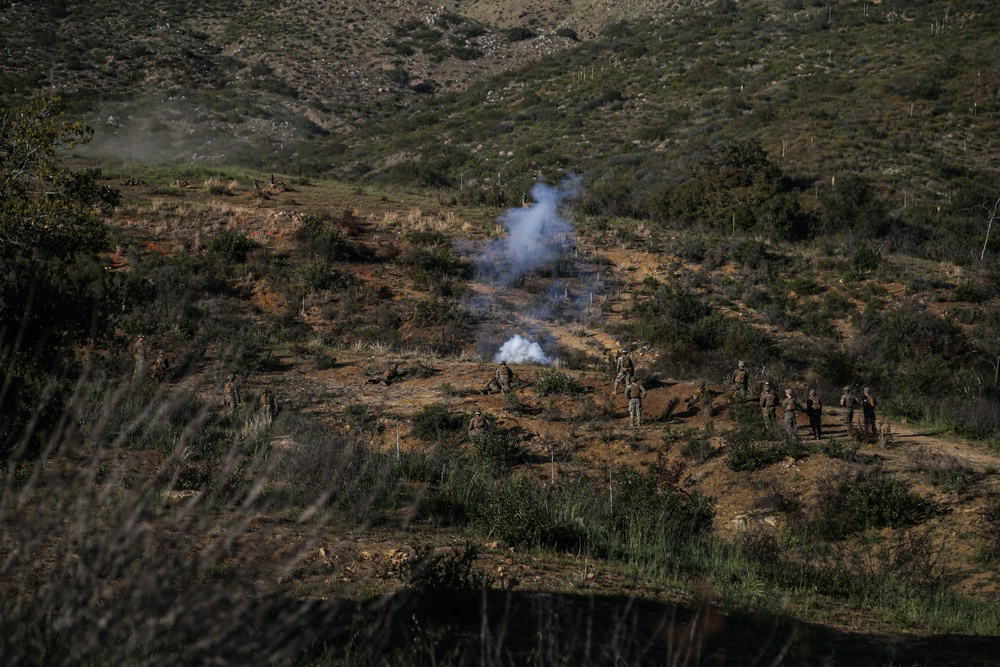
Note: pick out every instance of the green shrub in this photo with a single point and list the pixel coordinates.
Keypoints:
(436, 422)
(872, 499)
(551, 381)
(502, 449)
(698, 447)
(232, 245)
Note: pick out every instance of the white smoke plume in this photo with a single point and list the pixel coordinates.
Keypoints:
(535, 234)
(520, 350)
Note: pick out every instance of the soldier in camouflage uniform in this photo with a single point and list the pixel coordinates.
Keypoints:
(267, 406)
(624, 369)
(504, 376)
(158, 371)
(741, 379)
(635, 392)
(814, 409)
(391, 374)
(231, 393)
(848, 402)
(868, 410)
(790, 407)
(477, 427)
(769, 403)
(695, 400)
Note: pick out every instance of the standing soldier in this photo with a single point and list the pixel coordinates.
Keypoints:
(868, 410)
(848, 402)
(140, 357)
(477, 427)
(741, 379)
(504, 376)
(624, 369)
(769, 403)
(790, 406)
(267, 406)
(814, 408)
(635, 392)
(231, 393)
(158, 371)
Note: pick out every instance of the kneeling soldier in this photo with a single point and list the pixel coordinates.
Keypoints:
(477, 427)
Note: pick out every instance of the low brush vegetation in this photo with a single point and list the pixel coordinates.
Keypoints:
(275, 495)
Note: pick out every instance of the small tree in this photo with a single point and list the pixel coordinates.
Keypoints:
(53, 292)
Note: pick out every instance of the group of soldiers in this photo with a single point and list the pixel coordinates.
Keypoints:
(232, 399)
(267, 405)
(813, 405)
(503, 382)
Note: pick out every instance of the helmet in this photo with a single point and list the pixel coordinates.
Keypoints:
(847, 388)
(788, 392)
(767, 385)
(478, 411)
(741, 364)
(867, 389)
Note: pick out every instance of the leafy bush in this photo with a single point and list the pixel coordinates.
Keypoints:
(502, 449)
(698, 447)
(232, 245)
(522, 513)
(867, 500)
(551, 381)
(436, 422)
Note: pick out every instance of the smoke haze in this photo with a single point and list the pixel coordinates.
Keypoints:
(520, 350)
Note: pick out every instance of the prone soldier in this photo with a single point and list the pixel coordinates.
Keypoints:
(388, 375)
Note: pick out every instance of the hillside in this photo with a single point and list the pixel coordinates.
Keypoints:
(864, 550)
(299, 196)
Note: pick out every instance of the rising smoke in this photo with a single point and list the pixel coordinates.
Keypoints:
(520, 350)
(536, 236)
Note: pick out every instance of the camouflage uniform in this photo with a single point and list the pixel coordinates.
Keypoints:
(695, 399)
(477, 427)
(769, 403)
(267, 406)
(814, 408)
(868, 410)
(624, 369)
(790, 406)
(140, 357)
(391, 374)
(635, 392)
(504, 376)
(741, 379)
(231, 393)
(848, 401)
(160, 366)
